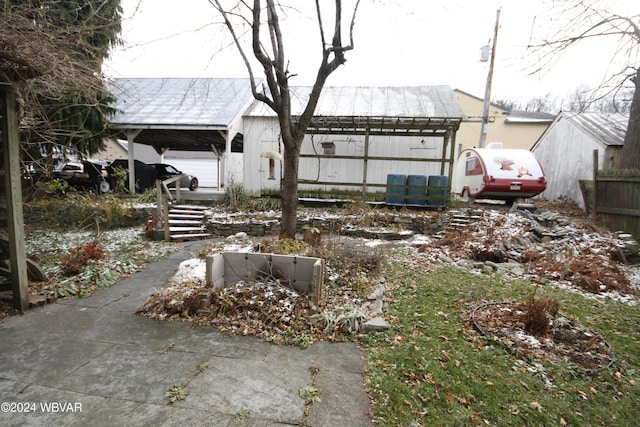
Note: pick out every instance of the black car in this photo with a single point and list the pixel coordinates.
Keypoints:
(165, 171)
(145, 174)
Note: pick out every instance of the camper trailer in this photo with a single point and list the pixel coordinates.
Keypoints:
(497, 173)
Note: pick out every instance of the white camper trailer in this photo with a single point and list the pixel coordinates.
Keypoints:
(497, 173)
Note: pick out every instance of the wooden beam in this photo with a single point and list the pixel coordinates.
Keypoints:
(13, 193)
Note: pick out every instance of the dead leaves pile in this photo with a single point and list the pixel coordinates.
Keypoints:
(575, 252)
(258, 308)
(566, 340)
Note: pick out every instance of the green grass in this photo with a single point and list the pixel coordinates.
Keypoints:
(432, 368)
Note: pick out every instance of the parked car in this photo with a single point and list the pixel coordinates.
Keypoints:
(85, 173)
(145, 174)
(165, 171)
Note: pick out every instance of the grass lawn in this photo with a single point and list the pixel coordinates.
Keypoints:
(433, 369)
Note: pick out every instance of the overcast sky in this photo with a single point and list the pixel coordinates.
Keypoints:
(416, 43)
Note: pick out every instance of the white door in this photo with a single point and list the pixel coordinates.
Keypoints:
(206, 170)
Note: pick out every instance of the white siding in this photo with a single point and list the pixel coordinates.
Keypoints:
(262, 134)
(351, 170)
(566, 155)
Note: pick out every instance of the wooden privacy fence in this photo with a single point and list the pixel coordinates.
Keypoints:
(616, 199)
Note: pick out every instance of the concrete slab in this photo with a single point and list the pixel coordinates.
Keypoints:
(256, 388)
(95, 354)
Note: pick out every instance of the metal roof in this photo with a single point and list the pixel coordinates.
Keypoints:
(414, 110)
(191, 113)
(353, 101)
(610, 129)
(176, 102)
(179, 113)
(529, 117)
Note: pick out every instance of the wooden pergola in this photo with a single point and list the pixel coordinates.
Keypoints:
(441, 127)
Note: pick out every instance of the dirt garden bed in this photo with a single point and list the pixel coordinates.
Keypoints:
(565, 340)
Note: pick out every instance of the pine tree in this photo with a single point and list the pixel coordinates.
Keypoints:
(69, 114)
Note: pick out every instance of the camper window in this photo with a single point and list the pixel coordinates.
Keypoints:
(474, 167)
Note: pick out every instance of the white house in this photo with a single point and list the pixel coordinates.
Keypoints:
(358, 137)
(565, 151)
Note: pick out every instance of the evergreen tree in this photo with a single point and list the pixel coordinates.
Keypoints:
(70, 114)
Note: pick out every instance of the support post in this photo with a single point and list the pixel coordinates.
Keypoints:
(165, 219)
(218, 155)
(365, 165)
(131, 136)
(594, 198)
(227, 163)
(159, 196)
(13, 193)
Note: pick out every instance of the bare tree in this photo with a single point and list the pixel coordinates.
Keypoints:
(582, 20)
(268, 46)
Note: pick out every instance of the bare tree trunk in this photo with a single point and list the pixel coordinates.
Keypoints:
(631, 150)
(293, 125)
(289, 193)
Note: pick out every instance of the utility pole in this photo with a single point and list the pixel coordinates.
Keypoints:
(487, 92)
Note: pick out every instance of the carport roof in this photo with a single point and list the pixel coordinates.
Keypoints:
(179, 113)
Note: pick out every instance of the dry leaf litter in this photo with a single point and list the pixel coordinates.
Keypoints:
(565, 251)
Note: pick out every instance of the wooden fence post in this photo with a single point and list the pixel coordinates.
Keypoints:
(13, 194)
(595, 184)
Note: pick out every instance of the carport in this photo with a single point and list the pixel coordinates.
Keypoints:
(186, 114)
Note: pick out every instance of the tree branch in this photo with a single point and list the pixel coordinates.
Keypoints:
(254, 89)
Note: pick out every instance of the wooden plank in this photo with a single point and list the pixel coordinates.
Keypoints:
(184, 222)
(186, 211)
(186, 229)
(190, 236)
(618, 211)
(13, 194)
(192, 207)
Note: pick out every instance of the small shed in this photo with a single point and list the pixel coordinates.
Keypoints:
(358, 137)
(186, 114)
(565, 151)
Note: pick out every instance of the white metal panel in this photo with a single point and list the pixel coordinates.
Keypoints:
(205, 170)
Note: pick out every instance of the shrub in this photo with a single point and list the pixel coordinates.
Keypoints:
(79, 257)
(538, 314)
